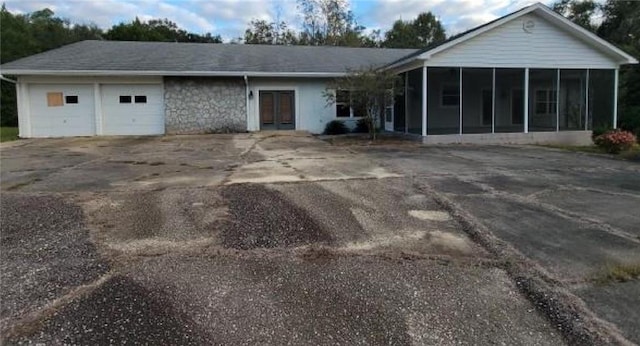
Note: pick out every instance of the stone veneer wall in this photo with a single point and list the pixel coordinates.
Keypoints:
(204, 105)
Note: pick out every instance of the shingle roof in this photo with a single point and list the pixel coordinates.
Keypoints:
(198, 57)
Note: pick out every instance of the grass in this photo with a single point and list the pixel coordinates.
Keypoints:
(631, 154)
(618, 273)
(8, 134)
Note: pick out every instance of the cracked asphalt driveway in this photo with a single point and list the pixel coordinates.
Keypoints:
(281, 238)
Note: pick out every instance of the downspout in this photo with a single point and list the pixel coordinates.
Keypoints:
(246, 97)
(8, 80)
(21, 131)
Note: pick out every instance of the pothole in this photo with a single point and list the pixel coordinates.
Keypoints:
(430, 215)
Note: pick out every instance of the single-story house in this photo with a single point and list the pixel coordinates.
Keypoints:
(530, 76)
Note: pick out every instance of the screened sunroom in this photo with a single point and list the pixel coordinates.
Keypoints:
(531, 76)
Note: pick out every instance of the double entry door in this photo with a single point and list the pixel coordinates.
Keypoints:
(277, 110)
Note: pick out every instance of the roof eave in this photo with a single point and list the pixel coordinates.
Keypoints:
(24, 72)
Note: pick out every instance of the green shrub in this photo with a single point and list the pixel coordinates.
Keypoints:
(599, 130)
(362, 126)
(336, 127)
(630, 119)
(615, 141)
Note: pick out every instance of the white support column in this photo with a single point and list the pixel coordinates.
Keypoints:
(615, 99)
(97, 109)
(424, 101)
(586, 113)
(493, 102)
(246, 104)
(460, 98)
(526, 100)
(406, 102)
(558, 103)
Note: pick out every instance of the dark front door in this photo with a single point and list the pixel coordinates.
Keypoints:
(277, 110)
(487, 107)
(517, 107)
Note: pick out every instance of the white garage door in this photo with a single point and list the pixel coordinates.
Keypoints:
(62, 110)
(132, 109)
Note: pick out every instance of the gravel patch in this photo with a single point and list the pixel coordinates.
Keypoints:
(119, 312)
(264, 218)
(44, 251)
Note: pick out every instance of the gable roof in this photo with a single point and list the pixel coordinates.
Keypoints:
(539, 8)
(170, 58)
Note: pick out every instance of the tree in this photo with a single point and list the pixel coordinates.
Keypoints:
(329, 23)
(621, 26)
(263, 32)
(26, 34)
(162, 30)
(421, 32)
(580, 12)
(369, 89)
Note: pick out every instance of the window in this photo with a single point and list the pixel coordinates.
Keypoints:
(342, 104)
(125, 99)
(141, 99)
(388, 113)
(450, 95)
(546, 101)
(359, 111)
(54, 99)
(71, 99)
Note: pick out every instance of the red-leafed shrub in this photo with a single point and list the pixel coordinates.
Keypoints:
(615, 141)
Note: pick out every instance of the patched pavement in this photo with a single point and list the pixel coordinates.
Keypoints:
(278, 238)
(574, 214)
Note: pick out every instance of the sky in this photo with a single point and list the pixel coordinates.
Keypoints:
(230, 18)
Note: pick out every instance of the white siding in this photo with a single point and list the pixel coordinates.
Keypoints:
(312, 111)
(508, 45)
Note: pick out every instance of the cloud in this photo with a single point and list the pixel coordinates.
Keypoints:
(455, 15)
(230, 18)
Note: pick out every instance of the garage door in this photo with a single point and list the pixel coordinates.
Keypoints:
(62, 110)
(132, 109)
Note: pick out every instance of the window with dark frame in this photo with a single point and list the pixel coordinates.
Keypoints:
(71, 99)
(450, 95)
(125, 99)
(141, 99)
